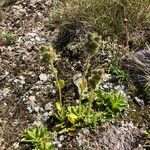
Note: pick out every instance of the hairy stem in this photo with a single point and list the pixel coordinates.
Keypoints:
(91, 95)
(57, 80)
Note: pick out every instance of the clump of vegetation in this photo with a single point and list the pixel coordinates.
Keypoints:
(39, 137)
(84, 113)
(109, 102)
(109, 18)
(8, 38)
(115, 69)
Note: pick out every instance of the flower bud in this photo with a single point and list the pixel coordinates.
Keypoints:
(95, 78)
(48, 53)
(92, 44)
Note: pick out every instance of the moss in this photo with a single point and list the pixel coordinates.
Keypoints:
(8, 38)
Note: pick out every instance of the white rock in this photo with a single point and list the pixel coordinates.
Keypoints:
(5, 104)
(139, 101)
(41, 109)
(37, 123)
(48, 106)
(105, 86)
(6, 73)
(32, 34)
(32, 98)
(106, 77)
(53, 92)
(85, 130)
(21, 77)
(36, 109)
(16, 80)
(43, 77)
(119, 88)
(45, 116)
(5, 91)
(37, 38)
(61, 138)
(22, 82)
(59, 145)
(16, 145)
(29, 109)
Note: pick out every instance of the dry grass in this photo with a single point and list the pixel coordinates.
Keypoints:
(107, 17)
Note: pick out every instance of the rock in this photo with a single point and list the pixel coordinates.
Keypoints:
(48, 106)
(22, 82)
(61, 138)
(107, 77)
(43, 77)
(85, 131)
(139, 101)
(45, 116)
(59, 145)
(36, 109)
(16, 145)
(105, 86)
(32, 98)
(5, 91)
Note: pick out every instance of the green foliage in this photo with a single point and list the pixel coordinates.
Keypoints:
(80, 116)
(110, 102)
(39, 137)
(104, 106)
(77, 116)
(107, 17)
(99, 106)
(8, 38)
(115, 69)
(61, 112)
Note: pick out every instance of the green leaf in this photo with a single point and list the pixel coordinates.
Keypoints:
(31, 134)
(49, 146)
(59, 106)
(118, 102)
(83, 85)
(72, 118)
(86, 66)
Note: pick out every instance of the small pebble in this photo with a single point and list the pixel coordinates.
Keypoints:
(139, 101)
(22, 82)
(48, 106)
(59, 145)
(16, 145)
(5, 91)
(32, 98)
(36, 109)
(43, 77)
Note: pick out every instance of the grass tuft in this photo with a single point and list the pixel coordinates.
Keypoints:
(107, 17)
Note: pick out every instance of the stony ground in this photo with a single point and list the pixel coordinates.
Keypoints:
(26, 89)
